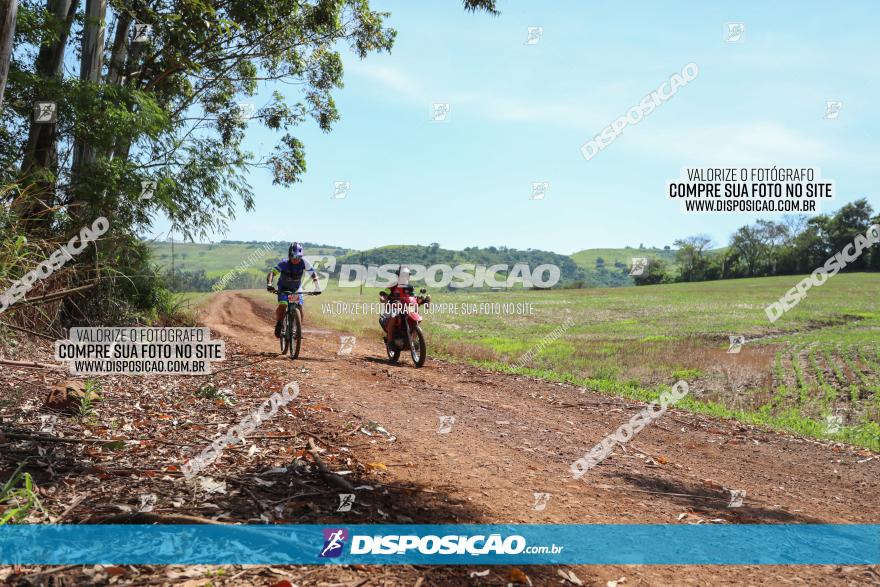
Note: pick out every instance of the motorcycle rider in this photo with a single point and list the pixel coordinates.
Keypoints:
(392, 299)
(290, 273)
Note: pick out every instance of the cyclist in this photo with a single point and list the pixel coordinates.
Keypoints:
(290, 273)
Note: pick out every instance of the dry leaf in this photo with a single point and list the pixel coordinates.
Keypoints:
(570, 577)
(66, 396)
(517, 576)
(210, 485)
(712, 485)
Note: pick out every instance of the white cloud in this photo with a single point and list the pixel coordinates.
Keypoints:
(750, 143)
(495, 107)
(391, 78)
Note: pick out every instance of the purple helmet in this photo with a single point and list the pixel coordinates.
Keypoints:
(295, 251)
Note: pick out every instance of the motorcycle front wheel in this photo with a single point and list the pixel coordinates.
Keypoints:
(417, 347)
(393, 353)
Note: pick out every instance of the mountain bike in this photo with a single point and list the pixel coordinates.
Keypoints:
(291, 325)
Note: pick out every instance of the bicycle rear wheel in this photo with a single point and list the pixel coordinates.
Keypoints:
(295, 322)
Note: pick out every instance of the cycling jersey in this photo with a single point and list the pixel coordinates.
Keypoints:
(290, 276)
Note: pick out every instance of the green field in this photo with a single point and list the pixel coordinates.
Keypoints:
(815, 370)
(217, 259)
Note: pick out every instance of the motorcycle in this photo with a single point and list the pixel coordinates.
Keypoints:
(406, 332)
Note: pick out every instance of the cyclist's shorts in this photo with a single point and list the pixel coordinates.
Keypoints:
(282, 299)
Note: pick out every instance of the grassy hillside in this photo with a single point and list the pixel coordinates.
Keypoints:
(610, 267)
(819, 363)
(217, 259)
(430, 255)
(587, 258)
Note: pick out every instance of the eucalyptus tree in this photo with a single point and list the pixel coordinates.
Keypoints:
(152, 91)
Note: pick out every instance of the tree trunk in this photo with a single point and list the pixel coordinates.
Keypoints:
(40, 151)
(119, 51)
(8, 12)
(90, 69)
(118, 58)
(132, 65)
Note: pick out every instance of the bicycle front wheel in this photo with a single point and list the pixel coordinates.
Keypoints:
(282, 340)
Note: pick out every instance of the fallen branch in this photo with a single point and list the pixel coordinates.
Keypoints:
(25, 330)
(319, 438)
(408, 489)
(583, 404)
(43, 438)
(30, 364)
(691, 495)
(154, 518)
(51, 297)
(49, 571)
(70, 508)
(326, 473)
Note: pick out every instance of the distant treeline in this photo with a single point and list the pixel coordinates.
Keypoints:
(616, 275)
(280, 244)
(794, 245)
(570, 274)
(434, 255)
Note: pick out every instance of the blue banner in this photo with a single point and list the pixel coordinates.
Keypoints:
(521, 544)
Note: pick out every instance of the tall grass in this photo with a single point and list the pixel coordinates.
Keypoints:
(18, 497)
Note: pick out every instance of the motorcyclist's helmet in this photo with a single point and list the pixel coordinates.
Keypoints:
(403, 276)
(295, 251)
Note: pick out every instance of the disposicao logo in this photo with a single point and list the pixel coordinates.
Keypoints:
(334, 542)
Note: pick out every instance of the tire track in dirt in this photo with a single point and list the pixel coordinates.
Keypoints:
(515, 436)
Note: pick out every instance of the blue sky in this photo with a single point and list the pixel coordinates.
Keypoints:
(520, 112)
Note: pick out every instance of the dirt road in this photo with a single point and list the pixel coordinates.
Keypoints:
(513, 437)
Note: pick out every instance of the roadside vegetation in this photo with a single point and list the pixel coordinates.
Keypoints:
(160, 109)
